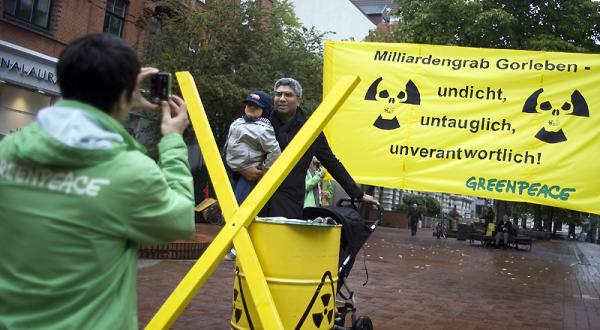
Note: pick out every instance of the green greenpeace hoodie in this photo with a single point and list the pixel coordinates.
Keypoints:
(77, 194)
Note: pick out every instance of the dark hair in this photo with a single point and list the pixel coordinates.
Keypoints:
(96, 69)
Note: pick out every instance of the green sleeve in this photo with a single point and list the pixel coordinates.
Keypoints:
(312, 180)
(163, 209)
(328, 189)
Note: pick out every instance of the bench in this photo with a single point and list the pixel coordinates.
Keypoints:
(512, 240)
(523, 240)
(483, 239)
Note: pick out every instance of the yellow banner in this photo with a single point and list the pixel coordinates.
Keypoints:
(503, 124)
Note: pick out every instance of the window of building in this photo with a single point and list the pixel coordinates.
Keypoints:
(114, 21)
(36, 12)
(19, 106)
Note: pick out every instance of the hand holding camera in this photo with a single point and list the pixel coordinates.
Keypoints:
(138, 100)
(159, 89)
(175, 117)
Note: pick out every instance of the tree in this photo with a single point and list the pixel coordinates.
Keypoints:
(553, 25)
(433, 206)
(232, 48)
(546, 217)
(428, 206)
(520, 210)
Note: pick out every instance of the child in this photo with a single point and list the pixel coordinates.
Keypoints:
(250, 142)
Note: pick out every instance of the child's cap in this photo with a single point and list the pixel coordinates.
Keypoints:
(259, 99)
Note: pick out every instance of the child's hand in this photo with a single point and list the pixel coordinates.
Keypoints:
(252, 173)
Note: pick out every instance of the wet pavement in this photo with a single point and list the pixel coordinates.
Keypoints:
(424, 283)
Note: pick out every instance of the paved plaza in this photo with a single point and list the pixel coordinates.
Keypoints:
(424, 283)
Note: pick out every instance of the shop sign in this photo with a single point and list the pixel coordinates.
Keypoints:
(27, 68)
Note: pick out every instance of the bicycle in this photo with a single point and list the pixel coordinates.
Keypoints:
(440, 228)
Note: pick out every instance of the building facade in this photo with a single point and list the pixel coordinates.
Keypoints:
(46, 26)
(378, 11)
(27, 84)
(32, 35)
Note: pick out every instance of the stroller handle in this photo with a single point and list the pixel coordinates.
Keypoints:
(353, 202)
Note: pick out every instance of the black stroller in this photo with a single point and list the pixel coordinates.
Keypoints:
(355, 232)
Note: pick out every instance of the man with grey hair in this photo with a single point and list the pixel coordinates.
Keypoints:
(287, 119)
(293, 83)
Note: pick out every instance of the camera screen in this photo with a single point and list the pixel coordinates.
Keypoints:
(160, 87)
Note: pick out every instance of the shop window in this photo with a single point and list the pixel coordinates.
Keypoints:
(36, 12)
(114, 21)
(18, 107)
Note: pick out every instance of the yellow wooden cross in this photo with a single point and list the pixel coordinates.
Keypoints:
(239, 218)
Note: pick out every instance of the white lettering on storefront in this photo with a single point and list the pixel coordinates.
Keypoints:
(31, 71)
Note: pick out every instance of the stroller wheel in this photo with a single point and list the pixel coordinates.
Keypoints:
(363, 323)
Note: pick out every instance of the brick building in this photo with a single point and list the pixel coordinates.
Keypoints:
(34, 32)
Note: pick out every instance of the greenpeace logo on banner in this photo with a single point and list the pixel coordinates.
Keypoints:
(61, 181)
(519, 188)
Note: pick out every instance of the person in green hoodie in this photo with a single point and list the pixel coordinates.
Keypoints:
(78, 194)
(314, 175)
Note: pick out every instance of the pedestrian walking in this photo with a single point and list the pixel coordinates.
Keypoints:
(414, 215)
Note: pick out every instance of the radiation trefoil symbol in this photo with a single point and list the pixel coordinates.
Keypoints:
(240, 306)
(555, 112)
(395, 99)
(327, 313)
(321, 307)
(237, 312)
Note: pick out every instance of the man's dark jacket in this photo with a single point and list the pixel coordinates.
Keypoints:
(414, 215)
(288, 199)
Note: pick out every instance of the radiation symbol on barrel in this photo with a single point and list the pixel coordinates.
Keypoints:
(393, 99)
(240, 306)
(321, 308)
(556, 112)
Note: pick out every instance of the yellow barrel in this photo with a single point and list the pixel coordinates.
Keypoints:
(300, 261)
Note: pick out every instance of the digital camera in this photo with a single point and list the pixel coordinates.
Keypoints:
(160, 87)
